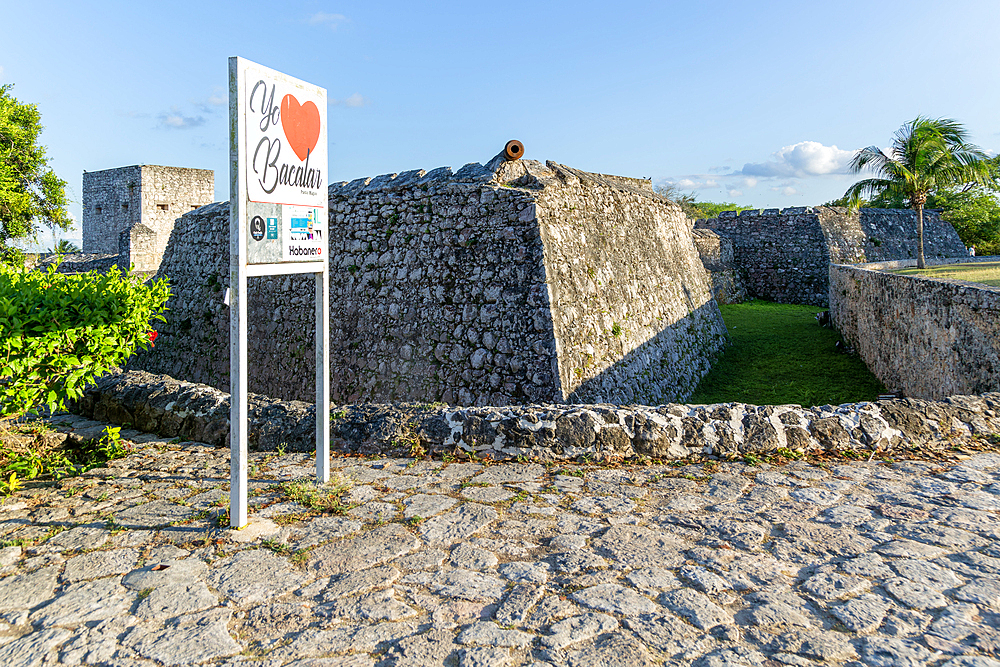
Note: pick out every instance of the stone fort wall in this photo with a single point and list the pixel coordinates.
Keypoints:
(514, 282)
(928, 338)
(784, 255)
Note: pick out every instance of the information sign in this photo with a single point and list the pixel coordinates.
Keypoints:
(278, 225)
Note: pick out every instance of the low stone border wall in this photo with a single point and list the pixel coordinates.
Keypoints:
(925, 337)
(160, 404)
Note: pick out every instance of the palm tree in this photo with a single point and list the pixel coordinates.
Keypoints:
(64, 247)
(926, 155)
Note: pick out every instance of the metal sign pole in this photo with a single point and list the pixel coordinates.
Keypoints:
(238, 423)
(278, 224)
(323, 377)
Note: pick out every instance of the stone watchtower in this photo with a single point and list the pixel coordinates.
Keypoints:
(130, 211)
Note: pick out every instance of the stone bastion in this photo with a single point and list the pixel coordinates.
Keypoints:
(784, 255)
(511, 283)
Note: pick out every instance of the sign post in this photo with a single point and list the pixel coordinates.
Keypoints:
(278, 225)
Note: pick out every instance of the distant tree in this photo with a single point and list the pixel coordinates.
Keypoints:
(696, 209)
(30, 192)
(926, 155)
(64, 247)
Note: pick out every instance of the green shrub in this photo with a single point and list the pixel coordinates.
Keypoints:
(58, 332)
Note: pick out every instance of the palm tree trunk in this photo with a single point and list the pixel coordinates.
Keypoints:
(921, 264)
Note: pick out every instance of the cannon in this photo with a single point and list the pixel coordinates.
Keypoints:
(513, 150)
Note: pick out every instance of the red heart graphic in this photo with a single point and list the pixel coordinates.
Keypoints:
(301, 125)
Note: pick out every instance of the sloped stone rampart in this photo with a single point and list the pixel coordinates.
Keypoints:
(925, 337)
(784, 255)
(509, 283)
(197, 412)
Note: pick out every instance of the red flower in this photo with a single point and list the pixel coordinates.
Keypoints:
(152, 338)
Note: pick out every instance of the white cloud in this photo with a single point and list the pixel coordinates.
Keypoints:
(355, 100)
(806, 158)
(175, 120)
(785, 190)
(327, 19)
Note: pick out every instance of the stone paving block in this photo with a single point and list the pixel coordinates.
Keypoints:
(902, 622)
(985, 592)
(915, 594)
(863, 614)
(458, 524)
(356, 583)
(467, 585)
(525, 572)
(577, 629)
(157, 514)
(704, 580)
(85, 602)
(488, 494)
(34, 649)
(662, 632)
(651, 580)
(732, 656)
(519, 602)
(9, 555)
(615, 599)
(747, 535)
(379, 605)
(468, 557)
(81, 538)
(160, 573)
(636, 547)
(571, 562)
(832, 586)
(191, 639)
(485, 633)
(616, 650)
(923, 571)
(101, 644)
(509, 474)
(324, 529)
(172, 600)
(696, 608)
(902, 548)
(253, 577)
(426, 505)
(893, 652)
(484, 656)
(26, 591)
(98, 564)
(430, 649)
(846, 515)
(602, 505)
(365, 550)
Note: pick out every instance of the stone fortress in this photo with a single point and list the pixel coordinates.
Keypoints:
(130, 211)
(514, 282)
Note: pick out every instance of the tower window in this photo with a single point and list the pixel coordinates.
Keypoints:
(163, 207)
(97, 210)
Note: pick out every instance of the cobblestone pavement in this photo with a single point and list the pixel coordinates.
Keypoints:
(467, 564)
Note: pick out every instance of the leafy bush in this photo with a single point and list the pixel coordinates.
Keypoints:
(58, 332)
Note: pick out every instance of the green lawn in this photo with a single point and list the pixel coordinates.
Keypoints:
(780, 354)
(987, 273)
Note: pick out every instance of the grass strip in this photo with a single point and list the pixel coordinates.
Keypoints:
(780, 354)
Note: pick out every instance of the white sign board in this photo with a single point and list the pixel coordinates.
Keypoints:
(278, 225)
(285, 145)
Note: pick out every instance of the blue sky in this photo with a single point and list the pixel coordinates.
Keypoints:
(757, 103)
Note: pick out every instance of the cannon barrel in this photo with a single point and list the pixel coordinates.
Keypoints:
(513, 150)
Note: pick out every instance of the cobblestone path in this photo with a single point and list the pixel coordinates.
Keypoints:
(466, 564)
